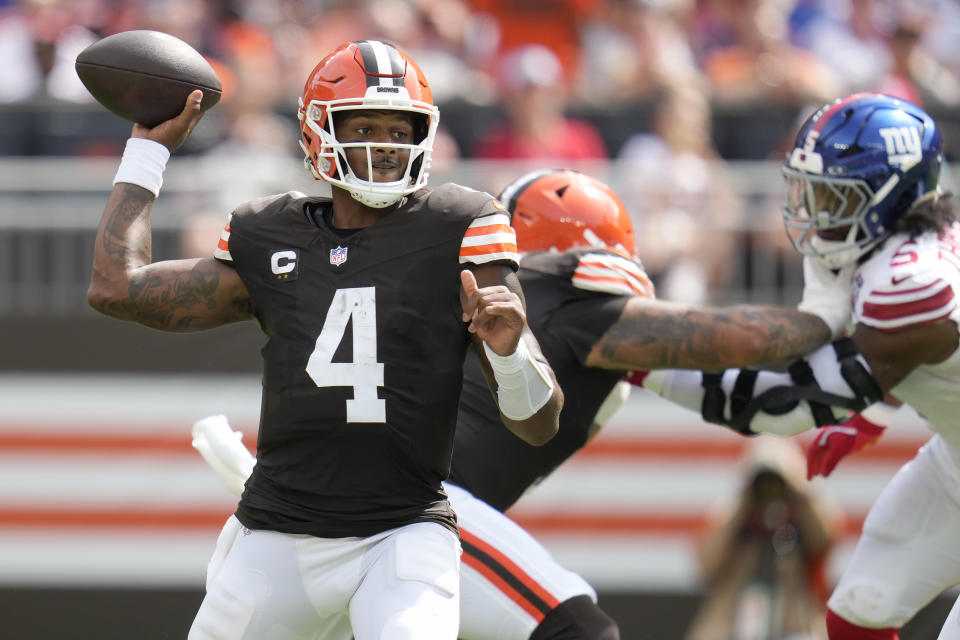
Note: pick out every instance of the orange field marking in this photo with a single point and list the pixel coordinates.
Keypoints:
(605, 447)
(593, 524)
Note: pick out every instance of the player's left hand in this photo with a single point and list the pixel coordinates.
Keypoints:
(495, 314)
(834, 443)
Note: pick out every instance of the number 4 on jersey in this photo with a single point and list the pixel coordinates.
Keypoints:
(364, 374)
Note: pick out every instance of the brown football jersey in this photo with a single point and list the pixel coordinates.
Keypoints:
(572, 299)
(363, 365)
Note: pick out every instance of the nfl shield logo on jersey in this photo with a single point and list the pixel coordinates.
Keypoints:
(338, 256)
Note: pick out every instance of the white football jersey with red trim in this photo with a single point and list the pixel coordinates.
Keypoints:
(915, 282)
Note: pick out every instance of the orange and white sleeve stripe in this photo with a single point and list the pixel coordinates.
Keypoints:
(608, 273)
(489, 238)
(222, 250)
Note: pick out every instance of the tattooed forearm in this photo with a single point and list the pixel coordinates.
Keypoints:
(125, 232)
(710, 339)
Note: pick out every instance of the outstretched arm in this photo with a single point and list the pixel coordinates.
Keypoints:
(522, 381)
(820, 390)
(175, 295)
(652, 334)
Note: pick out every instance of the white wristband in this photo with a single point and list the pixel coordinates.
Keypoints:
(142, 164)
(522, 386)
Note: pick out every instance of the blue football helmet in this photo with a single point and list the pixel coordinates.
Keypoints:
(858, 164)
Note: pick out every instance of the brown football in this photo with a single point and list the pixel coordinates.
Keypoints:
(146, 76)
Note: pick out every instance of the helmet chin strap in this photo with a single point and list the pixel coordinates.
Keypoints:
(377, 195)
(933, 194)
(375, 198)
(370, 193)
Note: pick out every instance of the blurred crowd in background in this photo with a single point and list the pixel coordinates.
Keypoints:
(663, 88)
(689, 54)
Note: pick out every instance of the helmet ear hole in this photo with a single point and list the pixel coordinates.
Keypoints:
(852, 150)
(523, 217)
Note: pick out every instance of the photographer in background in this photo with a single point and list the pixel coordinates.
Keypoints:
(762, 558)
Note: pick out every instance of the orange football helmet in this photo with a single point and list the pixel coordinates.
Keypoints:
(366, 75)
(561, 209)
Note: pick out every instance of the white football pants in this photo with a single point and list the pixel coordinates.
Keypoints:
(401, 584)
(909, 551)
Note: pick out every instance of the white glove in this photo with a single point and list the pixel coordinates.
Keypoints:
(223, 450)
(827, 294)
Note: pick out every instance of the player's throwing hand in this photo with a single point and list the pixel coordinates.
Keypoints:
(175, 131)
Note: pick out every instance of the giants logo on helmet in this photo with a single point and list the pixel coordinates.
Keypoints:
(904, 148)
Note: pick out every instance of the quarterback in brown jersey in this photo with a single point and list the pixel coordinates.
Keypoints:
(370, 300)
(593, 310)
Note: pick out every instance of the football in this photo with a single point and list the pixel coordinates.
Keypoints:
(146, 76)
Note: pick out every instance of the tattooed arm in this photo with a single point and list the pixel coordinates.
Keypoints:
(175, 295)
(652, 334)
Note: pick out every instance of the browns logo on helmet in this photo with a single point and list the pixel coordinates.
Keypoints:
(561, 209)
(366, 75)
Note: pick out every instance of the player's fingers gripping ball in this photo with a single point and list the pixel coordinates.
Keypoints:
(174, 132)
